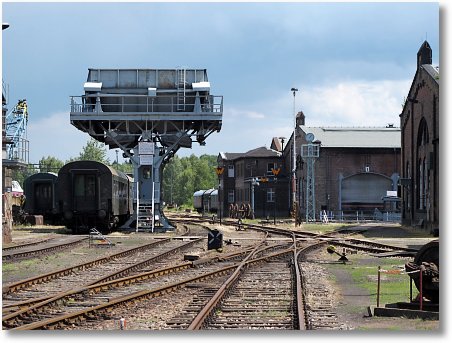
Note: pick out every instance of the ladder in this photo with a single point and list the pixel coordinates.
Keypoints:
(324, 217)
(94, 234)
(181, 87)
(144, 217)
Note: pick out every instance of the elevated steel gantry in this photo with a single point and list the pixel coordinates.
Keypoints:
(17, 149)
(149, 114)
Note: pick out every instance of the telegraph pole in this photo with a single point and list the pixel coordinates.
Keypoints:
(294, 167)
(219, 171)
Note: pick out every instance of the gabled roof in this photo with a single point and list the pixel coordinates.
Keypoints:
(355, 137)
(230, 155)
(262, 151)
(432, 71)
(258, 152)
(276, 144)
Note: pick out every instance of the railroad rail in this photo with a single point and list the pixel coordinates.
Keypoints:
(226, 282)
(16, 286)
(346, 242)
(26, 245)
(91, 279)
(84, 293)
(26, 252)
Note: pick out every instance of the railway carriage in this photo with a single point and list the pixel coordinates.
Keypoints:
(92, 194)
(40, 192)
(206, 200)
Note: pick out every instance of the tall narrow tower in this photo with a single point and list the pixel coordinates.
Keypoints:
(309, 153)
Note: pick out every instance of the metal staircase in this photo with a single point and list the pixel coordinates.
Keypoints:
(144, 217)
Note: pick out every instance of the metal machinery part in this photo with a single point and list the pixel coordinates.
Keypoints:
(427, 256)
(149, 114)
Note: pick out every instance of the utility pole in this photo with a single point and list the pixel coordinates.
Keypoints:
(219, 170)
(294, 167)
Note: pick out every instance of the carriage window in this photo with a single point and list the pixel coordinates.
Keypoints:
(90, 185)
(85, 186)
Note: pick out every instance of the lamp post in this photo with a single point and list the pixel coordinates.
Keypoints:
(294, 168)
(282, 144)
(219, 171)
(275, 179)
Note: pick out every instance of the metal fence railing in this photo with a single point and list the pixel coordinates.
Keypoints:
(361, 216)
(136, 103)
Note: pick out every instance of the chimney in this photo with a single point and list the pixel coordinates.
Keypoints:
(300, 118)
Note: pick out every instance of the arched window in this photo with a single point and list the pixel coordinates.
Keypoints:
(422, 177)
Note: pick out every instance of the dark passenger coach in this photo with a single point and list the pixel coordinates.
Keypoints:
(92, 194)
(40, 195)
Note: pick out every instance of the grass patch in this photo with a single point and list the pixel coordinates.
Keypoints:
(393, 287)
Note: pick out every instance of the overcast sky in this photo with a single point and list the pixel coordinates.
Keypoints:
(353, 63)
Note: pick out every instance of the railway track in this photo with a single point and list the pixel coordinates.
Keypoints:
(31, 314)
(128, 262)
(43, 248)
(92, 301)
(336, 237)
(262, 298)
(261, 293)
(27, 245)
(272, 287)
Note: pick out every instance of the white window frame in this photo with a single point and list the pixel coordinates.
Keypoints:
(271, 195)
(231, 196)
(231, 170)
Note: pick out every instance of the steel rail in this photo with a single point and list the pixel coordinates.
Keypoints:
(144, 263)
(301, 307)
(14, 287)
(25, 245)
(325, 237)
(200, 318)
(299, 298)
(40, 304)
(112, 276)
(146, 294)
(14, 256)
(91, 312)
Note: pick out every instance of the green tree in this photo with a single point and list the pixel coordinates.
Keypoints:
(94, 151)
(124, 167)
(183, 176)
(46, 164)
(50, 164)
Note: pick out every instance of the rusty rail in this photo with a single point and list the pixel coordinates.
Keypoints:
(66, 271)
(17, 255)
(210, 306)
(40, 304)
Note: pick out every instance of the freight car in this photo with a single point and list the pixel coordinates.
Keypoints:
(41, 196)
(92, 194)
(206, 201)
